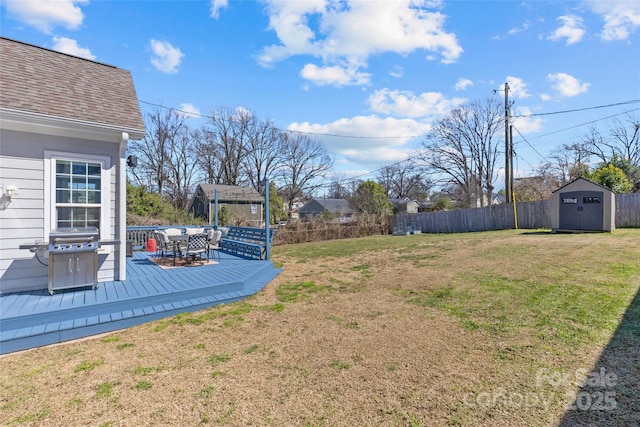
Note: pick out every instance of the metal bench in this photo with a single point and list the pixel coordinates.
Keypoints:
(246, 242)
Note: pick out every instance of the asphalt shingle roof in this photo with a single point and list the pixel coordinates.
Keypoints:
(39, 80)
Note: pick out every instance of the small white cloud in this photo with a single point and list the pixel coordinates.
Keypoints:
(462, 84)
(546, 97)
(44, 15)
(518, 88)
(621, 18)
(334, 75)
(187, 110)
(526, 125)
(216, 6)
(166, 58)
(407, 104)
(572, 29)
(70, 47)
(566, 85)
(397, 72)
(525, 26)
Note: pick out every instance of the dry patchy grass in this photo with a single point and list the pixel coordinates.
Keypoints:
(407, 331)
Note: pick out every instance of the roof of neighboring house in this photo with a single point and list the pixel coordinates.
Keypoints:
(401, 201)
(331, 205)
(230, 193)
(38, 80)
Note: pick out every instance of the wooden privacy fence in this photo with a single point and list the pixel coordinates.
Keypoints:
(531, 215)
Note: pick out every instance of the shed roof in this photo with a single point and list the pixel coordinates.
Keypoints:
(231, 193)
(38, 80)
(587, 180)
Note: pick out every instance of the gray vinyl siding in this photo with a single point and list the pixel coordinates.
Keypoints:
(22, 164)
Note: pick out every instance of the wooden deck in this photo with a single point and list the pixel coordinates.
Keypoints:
(35, 318)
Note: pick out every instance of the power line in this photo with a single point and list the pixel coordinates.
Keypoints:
(633, 101)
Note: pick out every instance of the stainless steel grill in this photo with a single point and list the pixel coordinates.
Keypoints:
(73, 258)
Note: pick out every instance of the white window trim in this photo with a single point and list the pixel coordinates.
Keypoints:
(50, 158)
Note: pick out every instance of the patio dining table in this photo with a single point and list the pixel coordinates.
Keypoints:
(176, 240)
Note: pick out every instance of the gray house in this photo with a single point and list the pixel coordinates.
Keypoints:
(65, 123)
(243, 203)
(337, 208)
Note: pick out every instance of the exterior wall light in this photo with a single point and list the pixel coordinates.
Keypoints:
(10, 191)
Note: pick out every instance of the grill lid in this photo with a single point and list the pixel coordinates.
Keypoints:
(70, 234)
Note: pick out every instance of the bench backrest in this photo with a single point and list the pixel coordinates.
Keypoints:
(250, 235)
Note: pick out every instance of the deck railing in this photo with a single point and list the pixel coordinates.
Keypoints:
(139, 234)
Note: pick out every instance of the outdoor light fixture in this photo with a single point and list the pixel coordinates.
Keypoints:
(132, 161)
(10, 191)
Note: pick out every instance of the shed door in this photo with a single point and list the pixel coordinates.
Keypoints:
(581, 210)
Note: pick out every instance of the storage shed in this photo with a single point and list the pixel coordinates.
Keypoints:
(583, 205)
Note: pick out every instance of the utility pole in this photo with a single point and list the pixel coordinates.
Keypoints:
(507, 147)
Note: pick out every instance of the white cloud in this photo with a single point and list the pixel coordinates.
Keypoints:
(407, 104)
(388, 145)
(216, 6)
(621, 18)
(350, 32)
(546, 97)
(525, 26)
(526, 125)
(462, 84)
(44, 15)
(518, 88)
(572, 29)
(187, 110)
(166, 58)
(70, 46)
(566, 85)
(334, 75)
(397, 72)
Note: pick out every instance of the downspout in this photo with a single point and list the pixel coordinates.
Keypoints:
(121, 253)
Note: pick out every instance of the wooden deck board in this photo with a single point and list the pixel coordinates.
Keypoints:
(32, 319)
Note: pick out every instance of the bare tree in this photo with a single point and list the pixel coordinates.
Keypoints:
(155, 150)
(405, 179)
(265, 149)
(462, 149)
(339, 188)
(622, 141)
(304, 161)
(568, 162)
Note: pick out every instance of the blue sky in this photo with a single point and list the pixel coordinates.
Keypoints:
(372, 74)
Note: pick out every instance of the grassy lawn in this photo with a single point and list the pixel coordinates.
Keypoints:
(506, 328)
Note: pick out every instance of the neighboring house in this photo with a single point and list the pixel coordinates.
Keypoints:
(498, 199)
(240, 202)
(339, 209)
(404, 205)
(64, 125)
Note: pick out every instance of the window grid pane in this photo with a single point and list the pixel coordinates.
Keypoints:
(78, 183)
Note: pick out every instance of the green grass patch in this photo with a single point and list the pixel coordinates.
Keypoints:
(146, 370)
(105, 389)
(340, 365)
(205, 392)
(88, 365)
(216, 359)
(143, 385)
(251, 349)
(125, 345)
(29, 418)
(292, 292)
(112, 338)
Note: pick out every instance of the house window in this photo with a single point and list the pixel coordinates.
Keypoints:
(78, 193)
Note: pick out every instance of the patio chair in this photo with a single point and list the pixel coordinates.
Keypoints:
(213, 239)
(166, 247)
(196, 246)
